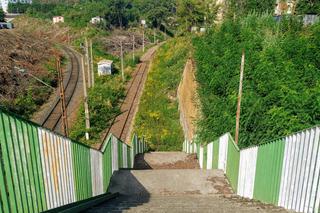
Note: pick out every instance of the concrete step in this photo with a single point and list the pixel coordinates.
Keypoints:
(169, 187)
(169, 182)
(166, 160)
(184, 203)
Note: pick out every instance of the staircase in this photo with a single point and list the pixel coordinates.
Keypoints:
(172, 182)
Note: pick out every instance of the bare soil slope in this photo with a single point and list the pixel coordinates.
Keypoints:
(22, 50)
(188, 102)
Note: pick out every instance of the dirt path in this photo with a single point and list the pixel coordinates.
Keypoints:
(122, 125)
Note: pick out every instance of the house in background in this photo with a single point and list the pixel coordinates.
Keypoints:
(105, 67)
(58, 19)
(5, 3)
(285, 7)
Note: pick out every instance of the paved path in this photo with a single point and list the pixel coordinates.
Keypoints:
(176, 190)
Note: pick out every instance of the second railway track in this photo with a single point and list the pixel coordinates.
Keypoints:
(121, 124)
(52, 118)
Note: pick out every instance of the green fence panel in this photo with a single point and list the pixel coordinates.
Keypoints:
(120, 153)
(37, 168)
(4, 202)
(17, 162)
(8, 160)
(198, 150)
(22, 164)
(204, 164)
(107, 165)
(215, 154)
(233, 159)
(20, 160)
(129, 156)
(268, 172)
(29, 157)
(82, 171)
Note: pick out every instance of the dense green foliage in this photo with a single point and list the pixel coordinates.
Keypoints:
(158, 117)
(166, 15)
(281, 80)
(120, 13)
(190, 13)
(2, 15)
(103, 101)
(117, 13)
(18, 7)
(76, 15)
(310, 6)
(156, 12)
(243, 7)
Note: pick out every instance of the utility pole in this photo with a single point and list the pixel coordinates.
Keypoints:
(133, 48)
(91, 64)
(143, 40)
(239, 99)
(69, 41)
(86, 106)
(87, 62)
(64, 127)
(121, 53)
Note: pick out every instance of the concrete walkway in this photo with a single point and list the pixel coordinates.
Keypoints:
(176, 190)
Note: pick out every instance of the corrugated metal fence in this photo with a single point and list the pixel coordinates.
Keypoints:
(41, 170)
(284, 172)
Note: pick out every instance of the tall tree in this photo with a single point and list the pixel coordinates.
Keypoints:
(120, 12)
(190, 13)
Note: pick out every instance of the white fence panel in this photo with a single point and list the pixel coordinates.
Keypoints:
(299, 188)
(115, 159)
(209, 155)
(56, 160)
(201, 158)
(96, 172)
(247, 172)
(125, 155)
(223, 152)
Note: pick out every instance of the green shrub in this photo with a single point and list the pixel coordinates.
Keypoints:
(311, 7)
(281, 78)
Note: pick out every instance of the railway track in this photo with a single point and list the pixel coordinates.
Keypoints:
(122, 122)
(53, 116)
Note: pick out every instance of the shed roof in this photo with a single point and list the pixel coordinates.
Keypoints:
(105, 62)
